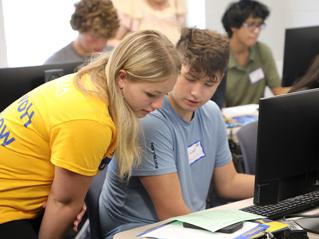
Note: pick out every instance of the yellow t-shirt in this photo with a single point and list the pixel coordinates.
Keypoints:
(53, 125)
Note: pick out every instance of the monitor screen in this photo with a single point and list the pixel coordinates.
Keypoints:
(287, 162)
(16, 81)
(301, 45)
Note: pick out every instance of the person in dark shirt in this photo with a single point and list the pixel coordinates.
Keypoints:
(96, 21)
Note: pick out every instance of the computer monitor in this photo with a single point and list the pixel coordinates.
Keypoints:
(16, 81)
(301, 45)
(287, 160)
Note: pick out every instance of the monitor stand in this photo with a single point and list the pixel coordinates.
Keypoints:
(309, 224)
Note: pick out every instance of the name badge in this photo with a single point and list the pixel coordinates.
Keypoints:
(256, 75)
(195, 152)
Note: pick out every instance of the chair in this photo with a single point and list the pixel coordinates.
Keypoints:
(247, 139)
(219, 95)
(92, 203)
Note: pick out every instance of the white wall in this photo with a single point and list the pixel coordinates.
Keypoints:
(196, 18)
(3, 47)
(35, 29)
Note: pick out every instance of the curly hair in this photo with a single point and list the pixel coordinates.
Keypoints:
(204, 51)
(238, 12)
(96, 16)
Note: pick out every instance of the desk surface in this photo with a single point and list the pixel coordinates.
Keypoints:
(131, 234)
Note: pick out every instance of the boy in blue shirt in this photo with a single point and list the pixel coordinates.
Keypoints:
(185, 147)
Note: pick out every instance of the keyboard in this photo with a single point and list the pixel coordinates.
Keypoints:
(286, 207)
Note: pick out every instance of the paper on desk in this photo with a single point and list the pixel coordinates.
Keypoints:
(230, 112)
(214, 220)
(176, 230)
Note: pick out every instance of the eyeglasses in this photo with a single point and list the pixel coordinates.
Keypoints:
(253, 26)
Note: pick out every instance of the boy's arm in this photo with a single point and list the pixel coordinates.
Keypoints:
(166, 195)
(233, 185)
(280, 90)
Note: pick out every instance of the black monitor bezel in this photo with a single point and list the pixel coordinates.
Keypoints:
(16, 81)
(300, 47)
(287, 128)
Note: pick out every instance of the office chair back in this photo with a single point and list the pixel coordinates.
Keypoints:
(247, 138)
(92, 203)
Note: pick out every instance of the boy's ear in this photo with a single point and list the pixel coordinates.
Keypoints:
(233, 29)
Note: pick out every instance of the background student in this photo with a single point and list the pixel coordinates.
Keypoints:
(184, 147)
(55, 137)
(251, 65)
(96, 21)
(166, 16)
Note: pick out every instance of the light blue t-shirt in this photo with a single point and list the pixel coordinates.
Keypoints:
(192, 149)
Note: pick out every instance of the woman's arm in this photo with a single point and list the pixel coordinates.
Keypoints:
(65, 201)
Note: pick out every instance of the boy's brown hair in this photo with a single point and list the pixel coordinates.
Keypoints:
(205, 51)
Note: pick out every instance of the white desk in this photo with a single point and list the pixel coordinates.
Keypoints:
(131, 234)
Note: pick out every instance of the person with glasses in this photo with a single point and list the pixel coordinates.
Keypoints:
(184, 146)
(251, 65)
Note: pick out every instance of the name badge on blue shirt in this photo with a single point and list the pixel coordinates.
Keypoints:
(195, 152)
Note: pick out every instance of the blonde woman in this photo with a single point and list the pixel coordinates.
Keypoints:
(55, 137)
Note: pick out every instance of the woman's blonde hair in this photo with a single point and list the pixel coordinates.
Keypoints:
(146, 56)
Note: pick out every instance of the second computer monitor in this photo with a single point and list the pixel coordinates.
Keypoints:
(301, 45)
(16, 81)
(287, 147)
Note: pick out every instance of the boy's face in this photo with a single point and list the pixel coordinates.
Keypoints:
(192, 90)
(92, 43)
(249, 32)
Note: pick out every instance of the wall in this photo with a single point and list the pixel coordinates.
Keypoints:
(196, 16)
(3, 47)
(36, 29)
